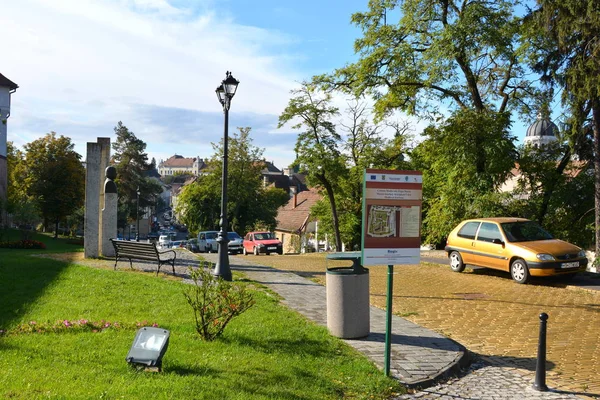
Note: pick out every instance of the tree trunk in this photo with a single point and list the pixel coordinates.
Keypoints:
(56, 229)
(334, 216)
(596, 129)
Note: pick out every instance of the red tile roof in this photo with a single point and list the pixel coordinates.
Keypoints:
(178, 161)
(293, 219)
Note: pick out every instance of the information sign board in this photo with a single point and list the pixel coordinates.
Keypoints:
(391, 223)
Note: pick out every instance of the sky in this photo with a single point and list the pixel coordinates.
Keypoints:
(84, 65)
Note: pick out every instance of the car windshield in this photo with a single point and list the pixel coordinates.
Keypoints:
(264, 236)
(233, 236)
(211, 235)
(524, 231)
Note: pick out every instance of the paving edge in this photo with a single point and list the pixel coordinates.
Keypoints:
(455, 369)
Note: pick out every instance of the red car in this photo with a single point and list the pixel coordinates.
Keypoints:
(262, 243)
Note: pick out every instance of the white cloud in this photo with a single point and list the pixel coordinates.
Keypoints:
(83, 65)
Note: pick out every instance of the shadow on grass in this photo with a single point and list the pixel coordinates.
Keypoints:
(23, 279)
(313, 348)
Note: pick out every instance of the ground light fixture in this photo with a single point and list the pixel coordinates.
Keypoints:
(225, 92)
(149, 347)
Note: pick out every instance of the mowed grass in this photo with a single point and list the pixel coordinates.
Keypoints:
(269, 352)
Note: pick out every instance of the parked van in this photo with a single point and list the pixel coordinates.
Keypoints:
(164, 240)
(207, 241)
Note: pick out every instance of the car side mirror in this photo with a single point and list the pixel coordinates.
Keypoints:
(497, 241)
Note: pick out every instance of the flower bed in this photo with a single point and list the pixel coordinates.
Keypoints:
(23, 244)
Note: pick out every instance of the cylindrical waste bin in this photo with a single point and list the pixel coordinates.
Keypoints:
(348, 312)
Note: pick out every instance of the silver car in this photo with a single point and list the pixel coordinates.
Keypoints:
(235, 243)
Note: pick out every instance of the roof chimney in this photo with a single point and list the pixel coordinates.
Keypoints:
(294, 197)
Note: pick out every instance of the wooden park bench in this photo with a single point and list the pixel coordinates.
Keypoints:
(142, 251)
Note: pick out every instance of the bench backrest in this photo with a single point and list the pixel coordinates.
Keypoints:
(135, 249)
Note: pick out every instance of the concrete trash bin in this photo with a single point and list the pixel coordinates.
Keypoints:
(348, 309)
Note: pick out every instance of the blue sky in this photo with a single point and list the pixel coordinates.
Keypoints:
(84, 65)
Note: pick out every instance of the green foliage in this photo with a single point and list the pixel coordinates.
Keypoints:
(557, 194)
(318, 147)
(55, 177)
(215, 302)
(131, 162)
(453, 188)
(249, 202)
(431, 53)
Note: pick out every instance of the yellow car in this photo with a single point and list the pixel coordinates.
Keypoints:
(515, 245)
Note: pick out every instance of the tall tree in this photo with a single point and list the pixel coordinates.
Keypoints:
(318, 145)
(454, 54)
(131, 161)
(565, 38)
(56, 177)
(20, 204)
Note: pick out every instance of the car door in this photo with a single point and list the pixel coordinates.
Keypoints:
(490, 244)
(466, 241)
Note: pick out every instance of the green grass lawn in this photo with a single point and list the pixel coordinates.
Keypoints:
(269, 352)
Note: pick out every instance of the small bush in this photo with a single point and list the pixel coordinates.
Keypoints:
(215, 302)
(23, 244)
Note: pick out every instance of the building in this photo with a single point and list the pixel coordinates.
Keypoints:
(7, 87)
(541, 133)
(177, 164)
(295, 227)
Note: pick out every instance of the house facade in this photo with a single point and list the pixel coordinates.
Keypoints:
(177, 164)
(294, 223)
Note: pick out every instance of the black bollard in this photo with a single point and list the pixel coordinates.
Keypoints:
(540, 368)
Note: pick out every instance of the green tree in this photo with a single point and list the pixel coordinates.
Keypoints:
(131, 162)
(56, 177)
(556, 192)
(318, 150)
(249, 202)
(565, 47)
(20, 205)
(453, 188)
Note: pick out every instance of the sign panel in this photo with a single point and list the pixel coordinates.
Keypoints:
(391, 221)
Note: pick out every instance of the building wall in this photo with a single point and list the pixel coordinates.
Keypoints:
(4, 111)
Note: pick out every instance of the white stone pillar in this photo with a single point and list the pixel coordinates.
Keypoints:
(97, 155)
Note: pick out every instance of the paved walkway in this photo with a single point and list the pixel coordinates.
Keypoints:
(420, 358)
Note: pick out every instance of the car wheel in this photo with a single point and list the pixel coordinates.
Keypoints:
(519, 271)
(280, 252)
(255, 251)
(456, 262)
(244, 251)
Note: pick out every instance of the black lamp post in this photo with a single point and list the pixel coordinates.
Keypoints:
(137, 215)
(225, 93)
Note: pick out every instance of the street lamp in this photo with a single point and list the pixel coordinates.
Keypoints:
(137, 215)
(225, 93)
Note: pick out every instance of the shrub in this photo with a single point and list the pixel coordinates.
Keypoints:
(23, 244)
(215, 302)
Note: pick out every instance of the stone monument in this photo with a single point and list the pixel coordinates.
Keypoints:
(97, 159)
(109, 213)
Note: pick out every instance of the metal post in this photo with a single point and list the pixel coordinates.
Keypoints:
(388, 321)
(137, 215)
(540, 368)
(222, 269)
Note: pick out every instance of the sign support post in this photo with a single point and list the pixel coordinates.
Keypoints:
(391, 228)
(388, 320)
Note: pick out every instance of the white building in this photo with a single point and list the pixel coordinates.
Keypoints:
(7, 87)
(177, 164)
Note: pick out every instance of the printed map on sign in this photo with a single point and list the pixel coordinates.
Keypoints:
(382, 221)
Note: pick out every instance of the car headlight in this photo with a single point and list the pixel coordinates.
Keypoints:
(581, 253)
(261, 245)
(545, 257)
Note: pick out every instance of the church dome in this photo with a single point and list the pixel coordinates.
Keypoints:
(542, 127)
